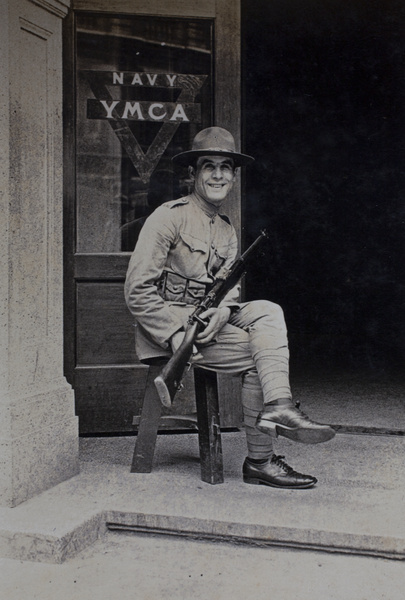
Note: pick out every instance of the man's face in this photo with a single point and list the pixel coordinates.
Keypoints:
(213, 178)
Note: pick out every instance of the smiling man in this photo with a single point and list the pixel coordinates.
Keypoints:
(184, 245)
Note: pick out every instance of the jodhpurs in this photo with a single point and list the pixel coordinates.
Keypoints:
(253, 344)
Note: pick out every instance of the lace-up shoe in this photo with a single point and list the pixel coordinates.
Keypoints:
(276, 473)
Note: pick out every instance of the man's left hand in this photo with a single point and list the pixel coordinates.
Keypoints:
(217, 318)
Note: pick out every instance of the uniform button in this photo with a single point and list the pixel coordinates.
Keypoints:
(212, 246)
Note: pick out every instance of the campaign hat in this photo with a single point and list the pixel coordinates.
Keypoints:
(213, 141)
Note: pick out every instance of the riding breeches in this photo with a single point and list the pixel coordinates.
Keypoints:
(253, 344)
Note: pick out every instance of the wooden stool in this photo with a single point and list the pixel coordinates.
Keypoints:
(207, 423)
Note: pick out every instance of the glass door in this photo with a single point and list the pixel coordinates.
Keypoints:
(138, 88)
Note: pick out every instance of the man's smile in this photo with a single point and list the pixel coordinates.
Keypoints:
(214, 178)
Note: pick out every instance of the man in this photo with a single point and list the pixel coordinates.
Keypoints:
(182, 247)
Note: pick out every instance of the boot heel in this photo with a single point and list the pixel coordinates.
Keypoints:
(268, 427)
(251, 480)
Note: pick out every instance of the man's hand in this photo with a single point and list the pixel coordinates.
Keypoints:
(217, 318)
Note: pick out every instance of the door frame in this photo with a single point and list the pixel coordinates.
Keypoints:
(226, 113)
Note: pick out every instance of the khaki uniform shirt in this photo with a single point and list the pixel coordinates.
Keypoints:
(181, 240)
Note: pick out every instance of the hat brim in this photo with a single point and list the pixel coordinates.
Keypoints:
(185, 158)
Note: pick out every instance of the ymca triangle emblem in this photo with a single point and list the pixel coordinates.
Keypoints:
(120, 112)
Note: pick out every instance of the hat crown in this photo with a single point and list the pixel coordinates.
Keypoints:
(214, 139)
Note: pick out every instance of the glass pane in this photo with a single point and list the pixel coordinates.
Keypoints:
(144, 89)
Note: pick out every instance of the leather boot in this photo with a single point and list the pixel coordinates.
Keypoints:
(283, 418)
(276, 473)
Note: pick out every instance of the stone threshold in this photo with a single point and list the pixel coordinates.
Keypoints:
(31, 546)
(259, 535)
(52, 548)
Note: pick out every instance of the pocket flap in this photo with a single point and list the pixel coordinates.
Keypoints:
(175, 283)
(193, 243)
(196, 292)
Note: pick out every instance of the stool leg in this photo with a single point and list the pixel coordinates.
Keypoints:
(209, 433)
(148, 426)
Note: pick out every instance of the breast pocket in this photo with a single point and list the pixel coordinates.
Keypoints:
(190, 256)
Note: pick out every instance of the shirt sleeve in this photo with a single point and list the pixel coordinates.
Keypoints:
(145, 268)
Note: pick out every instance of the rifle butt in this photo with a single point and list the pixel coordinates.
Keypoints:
(164, 394)
(168, 382)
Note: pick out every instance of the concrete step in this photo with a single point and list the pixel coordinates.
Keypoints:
(356, 507)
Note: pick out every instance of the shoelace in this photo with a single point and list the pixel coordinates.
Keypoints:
(278, 460)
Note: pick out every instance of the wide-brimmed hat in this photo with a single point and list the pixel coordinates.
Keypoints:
(213, 141)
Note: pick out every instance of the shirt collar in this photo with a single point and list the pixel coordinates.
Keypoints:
(207, 208)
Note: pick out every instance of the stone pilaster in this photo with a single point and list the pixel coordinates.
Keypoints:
(38, 428)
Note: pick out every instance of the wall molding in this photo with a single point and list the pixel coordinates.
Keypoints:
(36, 30)
(178, 8)
(55, 7)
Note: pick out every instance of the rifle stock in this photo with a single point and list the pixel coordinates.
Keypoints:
(169, 380)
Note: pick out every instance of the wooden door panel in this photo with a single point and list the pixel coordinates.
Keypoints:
(108, 398)
(105, 328)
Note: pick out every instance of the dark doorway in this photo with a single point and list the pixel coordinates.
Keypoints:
(324, 103)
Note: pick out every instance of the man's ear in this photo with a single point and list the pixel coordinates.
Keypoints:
(191, 172)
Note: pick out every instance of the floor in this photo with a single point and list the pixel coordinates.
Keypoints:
(99, 534)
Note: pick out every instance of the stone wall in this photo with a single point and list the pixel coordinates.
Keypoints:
(38, 427)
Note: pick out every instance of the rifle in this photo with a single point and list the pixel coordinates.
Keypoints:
(169, 380)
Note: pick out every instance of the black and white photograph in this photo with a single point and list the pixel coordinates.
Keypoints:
(202, 299)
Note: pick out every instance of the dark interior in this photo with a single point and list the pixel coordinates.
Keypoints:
(324, 102)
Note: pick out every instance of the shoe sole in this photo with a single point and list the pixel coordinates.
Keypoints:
(302, 435)
(257, 481)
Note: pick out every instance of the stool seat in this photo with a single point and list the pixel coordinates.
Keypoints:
(206, 421)
(173, 421)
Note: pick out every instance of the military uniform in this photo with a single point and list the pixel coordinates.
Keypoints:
(182, 247)
(180, 250)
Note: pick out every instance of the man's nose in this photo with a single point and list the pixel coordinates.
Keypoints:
(217, 173)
